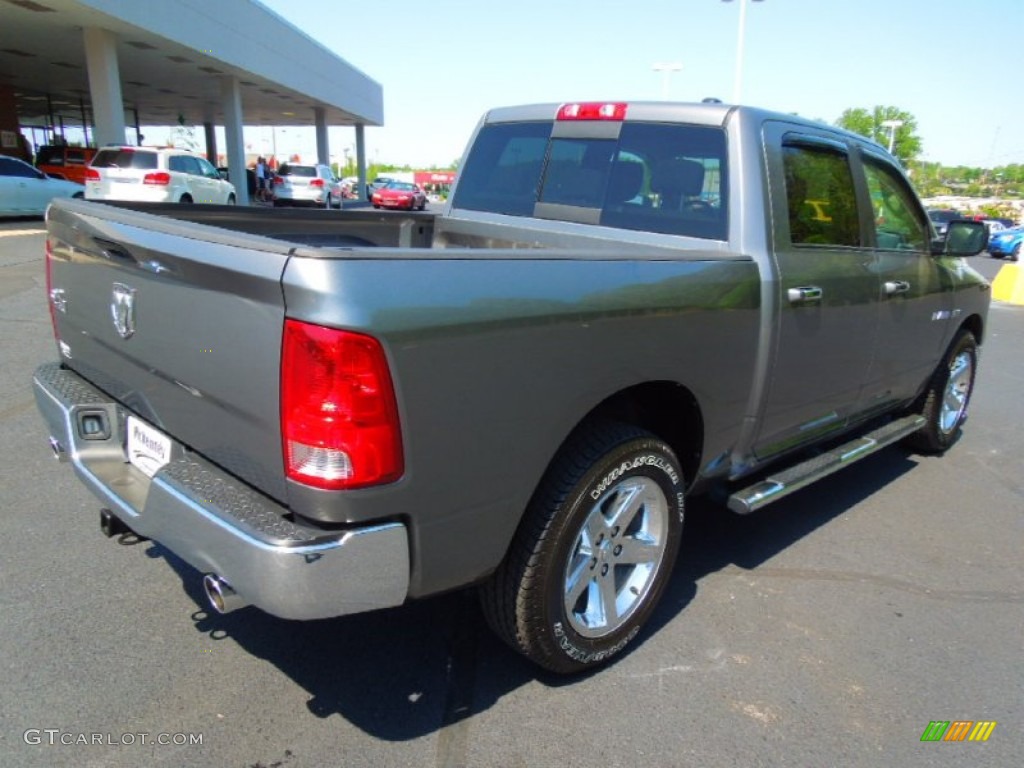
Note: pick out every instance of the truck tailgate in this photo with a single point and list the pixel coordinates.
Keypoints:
(180, 323)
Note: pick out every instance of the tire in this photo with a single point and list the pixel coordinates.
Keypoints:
(231, 199)
(186, 200)
(78, 196)
(944, 403)
(1015, 253)
(600, 535)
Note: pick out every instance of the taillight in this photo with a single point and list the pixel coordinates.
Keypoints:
(278, 180)
(157, 178)
(339, 418)
(316, 183)
(594, 110)
(91, 174)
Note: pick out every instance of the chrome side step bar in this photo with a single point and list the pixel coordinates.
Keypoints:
(780, 484)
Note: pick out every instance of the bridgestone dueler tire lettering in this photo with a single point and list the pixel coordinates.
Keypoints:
(601, 535)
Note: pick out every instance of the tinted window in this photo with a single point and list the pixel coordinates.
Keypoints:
(10, 166)
(184, 164)
(820, 197)
(306, 171)
(125, 158)
(898, 220)
(50, 156)
(654, 177)
(503, 169)
(669, 179)
(206, 168)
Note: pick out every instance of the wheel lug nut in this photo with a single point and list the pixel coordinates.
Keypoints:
(604, 569)
(618, 550)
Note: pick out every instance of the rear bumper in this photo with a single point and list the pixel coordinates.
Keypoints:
(217, 523)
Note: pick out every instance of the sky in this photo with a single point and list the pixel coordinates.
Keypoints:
(955, 66)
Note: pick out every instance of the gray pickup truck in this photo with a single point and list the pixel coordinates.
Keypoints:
(622, 304)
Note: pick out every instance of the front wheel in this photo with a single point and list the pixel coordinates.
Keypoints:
(594, 551)
(944, 403)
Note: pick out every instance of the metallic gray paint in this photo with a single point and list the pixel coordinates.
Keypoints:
(502, 337)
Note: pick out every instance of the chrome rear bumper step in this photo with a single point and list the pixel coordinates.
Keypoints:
(785, 481)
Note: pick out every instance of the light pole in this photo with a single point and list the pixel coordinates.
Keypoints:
(666, 72)
(738, 75)
(892, 125)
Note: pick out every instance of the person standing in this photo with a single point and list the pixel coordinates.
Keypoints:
(261, 179)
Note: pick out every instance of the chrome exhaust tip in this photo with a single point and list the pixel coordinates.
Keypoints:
(222, 598)
(58, 450)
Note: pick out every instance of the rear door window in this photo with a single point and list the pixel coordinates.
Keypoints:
(820, 196)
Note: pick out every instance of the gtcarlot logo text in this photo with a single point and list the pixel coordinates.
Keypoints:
(56, 737)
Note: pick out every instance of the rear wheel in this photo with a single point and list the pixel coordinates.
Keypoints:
(594, 551)
(186, 200)
(944, 403)
(231, 199)
(1015, 253)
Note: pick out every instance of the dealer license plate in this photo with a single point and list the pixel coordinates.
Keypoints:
(148, 448)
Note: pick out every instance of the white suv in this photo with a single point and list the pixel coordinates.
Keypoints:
(296, 184)
(155, 175)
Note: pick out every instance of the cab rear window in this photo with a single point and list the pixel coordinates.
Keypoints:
(655, 177)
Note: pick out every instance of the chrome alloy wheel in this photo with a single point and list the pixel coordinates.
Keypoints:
(616, 556)
(958, 390)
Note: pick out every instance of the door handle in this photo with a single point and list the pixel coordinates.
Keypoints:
(805, 294)
(893, 287)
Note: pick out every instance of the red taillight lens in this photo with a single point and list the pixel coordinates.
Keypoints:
(339, 418)
(592, 111)
(157, 178)
(91, 174)
(316, 183)
(278, 180)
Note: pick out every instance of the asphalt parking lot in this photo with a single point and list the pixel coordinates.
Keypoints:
(829, 629)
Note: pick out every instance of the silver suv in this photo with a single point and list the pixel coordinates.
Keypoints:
(155, 175)
(297, 184)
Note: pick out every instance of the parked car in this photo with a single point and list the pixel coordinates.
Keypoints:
(155, 175)
(379, 183)
(400, 194)
(940, 218)
(64, 162)
(1006, 243)
(26, 191)
(306, 185)
(1007, 223)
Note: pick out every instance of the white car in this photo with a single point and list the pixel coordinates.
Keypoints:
(155, 175)
(297, 184)
(26, 191)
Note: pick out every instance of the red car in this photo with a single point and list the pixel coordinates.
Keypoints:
(400, 194)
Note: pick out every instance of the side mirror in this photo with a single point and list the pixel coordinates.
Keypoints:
(963, 238)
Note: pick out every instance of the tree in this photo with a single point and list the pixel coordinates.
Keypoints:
(906, 143)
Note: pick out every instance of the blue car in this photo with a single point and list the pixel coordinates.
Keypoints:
(1006, 243)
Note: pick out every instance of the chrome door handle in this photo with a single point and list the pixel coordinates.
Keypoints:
(893, 287)
(805, 294)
